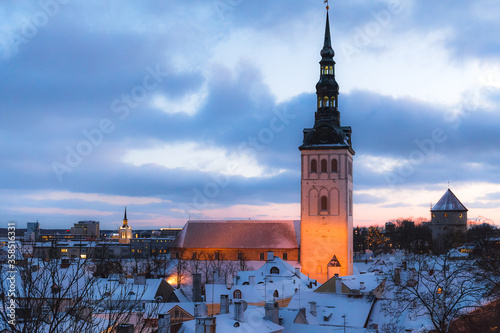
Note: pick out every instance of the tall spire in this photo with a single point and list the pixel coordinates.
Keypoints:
(327, 50)
(327, 89)
(327, 129)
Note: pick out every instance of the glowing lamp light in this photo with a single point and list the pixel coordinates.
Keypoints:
(172, 280)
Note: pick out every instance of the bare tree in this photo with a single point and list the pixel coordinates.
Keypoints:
(437, 287)
(48, 295)
(62, 295)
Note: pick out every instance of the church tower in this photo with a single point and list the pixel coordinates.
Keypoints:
(326, 182)
(125, 231)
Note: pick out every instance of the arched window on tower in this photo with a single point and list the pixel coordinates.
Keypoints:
(237, 294)
(319, 102)
(330, 71)
(326, 101)
(324, 203)
(275, 270)
(314, 166)
(334, 165)
(324, 166)
(276, 294)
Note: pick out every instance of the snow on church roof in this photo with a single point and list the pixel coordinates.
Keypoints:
(238, 234)
(449, 202)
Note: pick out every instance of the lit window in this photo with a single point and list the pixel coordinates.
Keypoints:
(83, 256)
(445, 215)
(460, 215)
(64, 250)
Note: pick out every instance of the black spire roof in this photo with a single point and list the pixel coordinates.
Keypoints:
(327, 131)
(125, 221)
(448, 202)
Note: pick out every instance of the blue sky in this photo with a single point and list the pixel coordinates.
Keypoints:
(196, 108)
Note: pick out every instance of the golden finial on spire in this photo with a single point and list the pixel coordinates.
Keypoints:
(327, 6)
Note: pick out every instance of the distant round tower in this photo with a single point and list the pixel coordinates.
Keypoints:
(448, 215)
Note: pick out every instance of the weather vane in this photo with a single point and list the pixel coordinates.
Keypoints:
(327, 6)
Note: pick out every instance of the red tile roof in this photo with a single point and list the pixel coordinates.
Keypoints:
(238, 234)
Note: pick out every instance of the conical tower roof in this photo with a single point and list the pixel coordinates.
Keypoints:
(448, 202)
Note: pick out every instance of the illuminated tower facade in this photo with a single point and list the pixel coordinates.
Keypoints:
(326, 182)
(125, 231)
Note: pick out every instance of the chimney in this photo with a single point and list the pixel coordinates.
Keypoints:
(65, 262)
(397, 275)
(139, 280)
(251, 280)
(272, 312)
(312, 307)
(224, 304)
(205, 325)
(297, 271)
(338, 284)
(270, 255)
(197, 287)
(361, 285)
(239, 310)
(164, 323)
(200, 310)
(216, 276)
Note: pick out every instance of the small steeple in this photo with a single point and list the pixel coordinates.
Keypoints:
(125, 221)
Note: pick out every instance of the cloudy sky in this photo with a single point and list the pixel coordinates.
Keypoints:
(196, 108)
